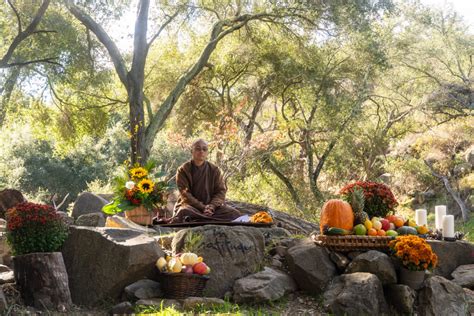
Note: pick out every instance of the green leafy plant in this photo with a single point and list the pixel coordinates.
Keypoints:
(137, 187)
(34, 228)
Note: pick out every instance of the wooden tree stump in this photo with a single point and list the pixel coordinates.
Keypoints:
(42, 280)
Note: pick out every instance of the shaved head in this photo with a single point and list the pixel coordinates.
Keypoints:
(199, 141)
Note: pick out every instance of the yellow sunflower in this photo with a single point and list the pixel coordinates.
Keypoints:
(138, 172)
(146, 186)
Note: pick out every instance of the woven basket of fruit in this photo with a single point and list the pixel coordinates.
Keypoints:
(183, 275)
(182, 285)
(353, 242)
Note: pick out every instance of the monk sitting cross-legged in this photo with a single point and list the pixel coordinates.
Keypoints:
(201, 190)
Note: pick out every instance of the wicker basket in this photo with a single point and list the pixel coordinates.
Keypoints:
(182, 285)
(140, 215)
(353, 242)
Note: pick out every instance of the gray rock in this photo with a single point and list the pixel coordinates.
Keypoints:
(4, 268)
(143, 289)
(470, 299)
(123, 308)
(280, 250)
(401, 297)
(203, 302)
(175, 304)
(3, 303)
(442, 297)
(451, 255)
(357, 293)
(374, 262)
(293, 224)
(8, 199)
(165, 241)
(87, 203)
(101, 261)
(385, 178)
(68, 220)
(117, 221)
(231, 253)
(264, 286)
(3, 225)
(310, 266)
(464, 276)
(462, 169)
(276, 262)
(340, 260)
(273, 235)
(7, 277)
(351, 255)
(91, 220)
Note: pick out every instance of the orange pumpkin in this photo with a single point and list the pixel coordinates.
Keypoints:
(336, 213)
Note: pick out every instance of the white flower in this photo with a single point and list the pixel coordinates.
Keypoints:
(130, 185)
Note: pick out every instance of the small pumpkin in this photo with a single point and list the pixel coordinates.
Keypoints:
(189, 258)
(336, 213)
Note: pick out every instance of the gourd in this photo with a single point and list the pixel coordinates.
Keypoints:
(407, 230)
(336, 213)
(334, 231)
(188, 258)
(174, 265)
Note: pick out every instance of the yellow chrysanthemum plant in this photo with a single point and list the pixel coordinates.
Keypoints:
(138, 186)
(414, 253)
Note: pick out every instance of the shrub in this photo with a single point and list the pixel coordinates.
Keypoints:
(34, 227)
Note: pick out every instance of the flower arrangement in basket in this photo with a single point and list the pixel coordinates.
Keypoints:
(413, 252)
(378, 198)
(34, 227)
(138, 193)
(184, 275)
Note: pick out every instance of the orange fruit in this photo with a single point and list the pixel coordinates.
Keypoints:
(372, 232)
(399, 222)
(381, 232)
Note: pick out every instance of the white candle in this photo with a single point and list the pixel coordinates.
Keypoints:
(440, 211)
(420, 217)
(448, 226)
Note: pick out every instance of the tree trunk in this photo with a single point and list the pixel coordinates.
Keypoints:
(7, 90)
(43, 281)
(455, 195)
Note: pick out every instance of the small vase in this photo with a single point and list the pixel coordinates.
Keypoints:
(413, 279)
(140, 215)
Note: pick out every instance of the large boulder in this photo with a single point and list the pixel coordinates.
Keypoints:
(230, 252)
(464, 276)
(357, 293)
(442, 297)
(293, 224)
(310, 266)
(143, 289)
(91, 220)
(87, 203)
(264, 286)
(101, 261)
(374, 262)
(401, 297)
(8, 199)
(451, 255)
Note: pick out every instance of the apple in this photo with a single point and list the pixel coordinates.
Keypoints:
(385, 224)
(201, 268)
(189, 269)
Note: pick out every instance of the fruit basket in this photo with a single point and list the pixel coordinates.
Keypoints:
(182, 285)
(352, 242)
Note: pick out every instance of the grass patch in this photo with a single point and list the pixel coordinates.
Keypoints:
(467, 228)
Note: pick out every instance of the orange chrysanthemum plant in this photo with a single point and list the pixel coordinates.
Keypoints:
(414, 253)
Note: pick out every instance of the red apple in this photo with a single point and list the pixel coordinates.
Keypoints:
(385, 224)
(200, 268)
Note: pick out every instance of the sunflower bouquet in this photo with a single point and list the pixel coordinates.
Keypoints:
(414, 253)
(137, 187)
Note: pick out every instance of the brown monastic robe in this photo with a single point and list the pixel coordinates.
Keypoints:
(198, 187)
